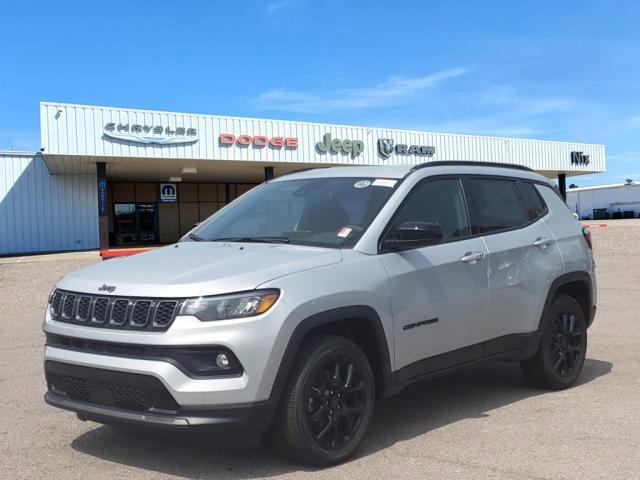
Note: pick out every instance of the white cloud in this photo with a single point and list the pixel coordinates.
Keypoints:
(393, 91)
(632, 156)
(635, 121)
(509, 98)
(273, 7)
(495, 127)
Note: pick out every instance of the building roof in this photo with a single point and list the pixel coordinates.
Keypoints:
(603, 187)
(16, 153)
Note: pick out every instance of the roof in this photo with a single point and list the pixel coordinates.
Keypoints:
(603, 187)
(16, 153)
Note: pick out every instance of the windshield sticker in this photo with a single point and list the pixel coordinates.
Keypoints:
(384, 182)
(345, 231)
(362, 184)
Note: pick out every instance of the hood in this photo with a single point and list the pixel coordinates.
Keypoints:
(193, 269)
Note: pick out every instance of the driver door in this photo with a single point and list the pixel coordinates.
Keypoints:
(439, 293)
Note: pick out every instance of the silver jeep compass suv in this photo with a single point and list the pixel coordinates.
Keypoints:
(299, 305)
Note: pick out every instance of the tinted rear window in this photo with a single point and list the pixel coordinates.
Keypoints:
(537, 207)
(497, 205)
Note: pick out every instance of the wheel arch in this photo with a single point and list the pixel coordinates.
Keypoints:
(338, 321)
(576, 284)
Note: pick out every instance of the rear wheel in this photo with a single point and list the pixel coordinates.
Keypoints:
(563, 346)
(328, 402)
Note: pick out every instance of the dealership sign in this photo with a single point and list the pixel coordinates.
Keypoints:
(168, 193)
(387, 146)
(354, 147)
(150, 134)
(257, 141)
(579, 158)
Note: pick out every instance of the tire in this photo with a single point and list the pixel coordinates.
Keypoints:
(324, 413)
(563, 346)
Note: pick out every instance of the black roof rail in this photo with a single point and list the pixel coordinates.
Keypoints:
(444, 163)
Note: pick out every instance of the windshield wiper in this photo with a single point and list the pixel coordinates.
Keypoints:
(253, 239)
(196, 238)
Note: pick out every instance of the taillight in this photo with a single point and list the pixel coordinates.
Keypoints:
(587, 236)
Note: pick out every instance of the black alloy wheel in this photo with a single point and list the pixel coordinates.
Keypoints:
(336, 401)
(565, 349)
(563, 346)
(328, 402)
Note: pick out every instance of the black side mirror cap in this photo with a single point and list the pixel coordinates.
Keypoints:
(414, 235)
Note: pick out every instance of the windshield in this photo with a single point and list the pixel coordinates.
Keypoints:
(326, 212)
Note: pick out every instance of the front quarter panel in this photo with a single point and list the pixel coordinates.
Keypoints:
(360, 280)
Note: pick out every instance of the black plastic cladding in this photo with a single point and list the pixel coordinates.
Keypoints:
(155, 314)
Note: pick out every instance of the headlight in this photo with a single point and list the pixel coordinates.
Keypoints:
(226, 307)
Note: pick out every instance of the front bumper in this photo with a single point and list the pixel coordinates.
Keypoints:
(249, 419)
(118, 398)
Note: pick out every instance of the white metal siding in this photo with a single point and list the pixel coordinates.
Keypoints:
(43, 212)
(78, 130)
(614, 198)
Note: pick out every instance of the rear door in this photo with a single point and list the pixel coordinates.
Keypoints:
(523, 255)
(439, 293)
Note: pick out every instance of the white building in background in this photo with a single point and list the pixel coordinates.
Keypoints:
(616, 199)
(118, 176)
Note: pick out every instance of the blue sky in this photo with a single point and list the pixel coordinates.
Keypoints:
(563, 70)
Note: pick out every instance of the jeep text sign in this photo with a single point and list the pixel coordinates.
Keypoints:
(354, 147)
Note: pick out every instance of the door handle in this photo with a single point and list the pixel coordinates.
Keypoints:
(472, 257)
(542, 242)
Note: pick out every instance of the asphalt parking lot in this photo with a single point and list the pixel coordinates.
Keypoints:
(480, 423)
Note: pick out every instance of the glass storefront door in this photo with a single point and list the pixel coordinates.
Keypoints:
(135, 223)
(147, 216)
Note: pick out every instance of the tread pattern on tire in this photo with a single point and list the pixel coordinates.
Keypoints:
(534, 369)
(285, 433)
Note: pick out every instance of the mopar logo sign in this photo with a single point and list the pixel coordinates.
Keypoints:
(168, 192)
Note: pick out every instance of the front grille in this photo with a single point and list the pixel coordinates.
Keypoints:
(164, 313)
(127, 391)
(140, 314)
(68, 305)
(100, 310)
(84, 304)
(119, 312)
(56, 302)
(114, 312)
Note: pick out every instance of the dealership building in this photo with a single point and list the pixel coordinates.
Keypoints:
(620, 200)
(108, 177)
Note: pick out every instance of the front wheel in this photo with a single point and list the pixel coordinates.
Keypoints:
(563, 346)
(328, 402)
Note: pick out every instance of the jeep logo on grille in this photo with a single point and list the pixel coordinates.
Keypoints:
(106, 288)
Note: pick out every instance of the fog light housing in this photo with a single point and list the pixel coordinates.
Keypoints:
(222, 361)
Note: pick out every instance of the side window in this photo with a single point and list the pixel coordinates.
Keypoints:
(497, 205)
(536, 206)
(440, 202)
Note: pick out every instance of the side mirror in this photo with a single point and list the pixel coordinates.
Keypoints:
(414, 235)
